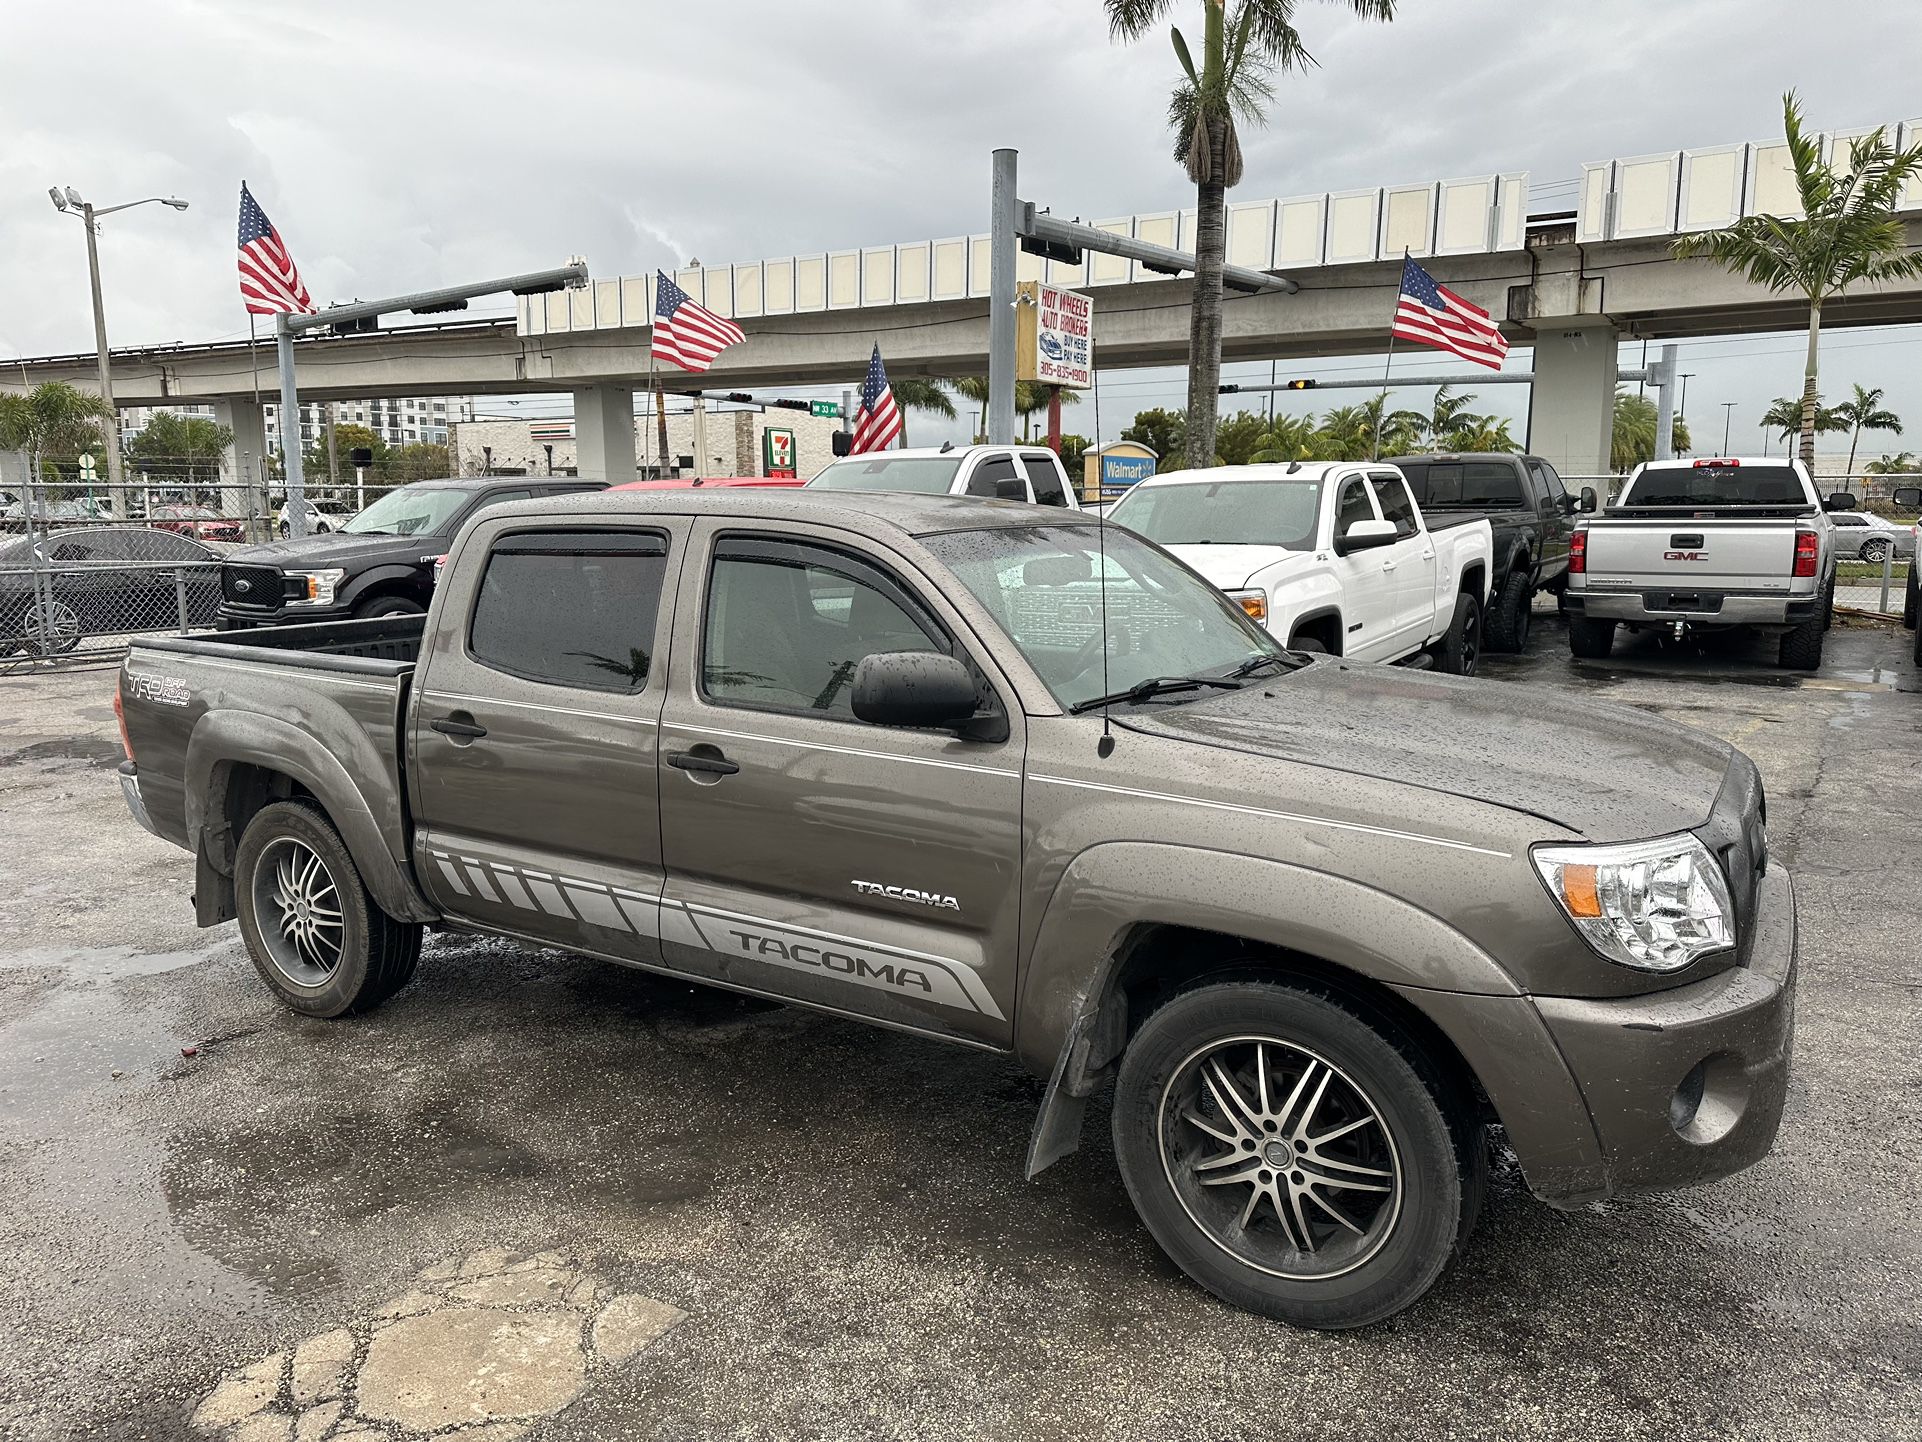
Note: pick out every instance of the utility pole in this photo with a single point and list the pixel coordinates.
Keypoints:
(1728, 412)
(68, 202)
(333, 452)
(1664, 378)
(1003, 205)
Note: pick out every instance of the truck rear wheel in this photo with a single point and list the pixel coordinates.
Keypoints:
(1802, 647)
(1590, 639)
(1512, 614)
(1909, 594)
(1460, 651)
(316, 937)
(1293, 1157)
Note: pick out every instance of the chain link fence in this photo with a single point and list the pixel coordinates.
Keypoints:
(84, 565)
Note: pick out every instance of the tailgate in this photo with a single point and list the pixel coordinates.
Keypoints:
(1709, 554)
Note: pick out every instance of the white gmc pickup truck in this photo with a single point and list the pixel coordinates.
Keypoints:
(994, 473)
(1330, 556)
(1705, 545)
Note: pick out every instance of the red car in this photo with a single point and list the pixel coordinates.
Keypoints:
(199, 522)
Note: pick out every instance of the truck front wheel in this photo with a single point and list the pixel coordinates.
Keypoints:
(315, 935)
(1293, 1157)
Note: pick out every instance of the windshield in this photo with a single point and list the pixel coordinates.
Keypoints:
(1040, 583)
(1717, 486)
(409, 511)
(927, 475)
(1224, 513)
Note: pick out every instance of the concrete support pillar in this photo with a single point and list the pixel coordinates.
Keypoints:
(604, 433)
(1571, 408)
(747, 460)
(241, 464)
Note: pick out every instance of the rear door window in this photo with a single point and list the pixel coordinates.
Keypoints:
(1044, 475)
(571, 608)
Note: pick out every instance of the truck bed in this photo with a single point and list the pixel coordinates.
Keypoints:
(382, 646)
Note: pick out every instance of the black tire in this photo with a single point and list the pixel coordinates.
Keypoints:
(1512, 614)
(1416, 1121)
(285, 530)
(1590, 639)
(1802, 647)
(1909, 594)
(1917, 650)
(388, 606)
(1828, 604)
(1313, 645)
(1459, 652)
(375, 955)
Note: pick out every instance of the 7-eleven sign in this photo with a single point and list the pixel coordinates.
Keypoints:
(777, 452)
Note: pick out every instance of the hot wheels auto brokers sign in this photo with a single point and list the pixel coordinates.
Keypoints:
(1054, 336)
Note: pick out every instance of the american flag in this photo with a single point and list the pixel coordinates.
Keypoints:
(877, 423)
(686, 334)
(269, 279)
(1434, 315)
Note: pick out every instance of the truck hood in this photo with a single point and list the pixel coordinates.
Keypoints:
(1232, 567)
(1605, 772)
(333, 549)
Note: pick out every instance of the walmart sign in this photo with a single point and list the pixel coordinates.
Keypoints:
(1126, 470)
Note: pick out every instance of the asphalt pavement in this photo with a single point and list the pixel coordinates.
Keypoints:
(639, 1210)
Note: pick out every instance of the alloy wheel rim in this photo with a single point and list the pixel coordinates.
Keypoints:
(1875, 550)
(51, 628)
(297, 911)
(1471, 643)
(1279, 1157)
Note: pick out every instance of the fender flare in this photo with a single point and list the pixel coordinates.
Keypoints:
(1068, 1027)
(1320, 613)
(358, 586)
(224, 739)
(1519, 559)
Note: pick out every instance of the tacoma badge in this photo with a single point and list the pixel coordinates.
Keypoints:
(907, 893)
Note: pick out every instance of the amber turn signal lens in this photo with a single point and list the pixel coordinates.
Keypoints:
(1255, 606)
(1578, 891)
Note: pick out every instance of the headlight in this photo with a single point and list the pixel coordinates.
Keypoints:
(314, 588)
(1652, 905)
(1255, 603)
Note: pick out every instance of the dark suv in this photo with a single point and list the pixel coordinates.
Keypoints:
(1528, 508)
(380, 563)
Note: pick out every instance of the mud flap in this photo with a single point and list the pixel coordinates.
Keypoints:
(1057, 1126)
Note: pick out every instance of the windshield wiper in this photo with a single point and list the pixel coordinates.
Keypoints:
(1152, 687)
(1254, 663)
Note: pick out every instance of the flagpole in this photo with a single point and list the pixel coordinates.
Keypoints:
(1375, 451)
(253, 356)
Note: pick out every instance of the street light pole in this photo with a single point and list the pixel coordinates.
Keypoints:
(1683, 414)
(1728, 412)
(68, 202)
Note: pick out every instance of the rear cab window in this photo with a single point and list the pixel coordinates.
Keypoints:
(1697, 486)
(575, 608)
(1395, 504)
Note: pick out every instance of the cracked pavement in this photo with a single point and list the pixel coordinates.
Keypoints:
(834, 1215)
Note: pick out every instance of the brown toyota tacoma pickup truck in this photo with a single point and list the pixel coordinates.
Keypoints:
(1014, 780)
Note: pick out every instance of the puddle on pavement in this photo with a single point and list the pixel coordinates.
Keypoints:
(94, 750)
(104, 963)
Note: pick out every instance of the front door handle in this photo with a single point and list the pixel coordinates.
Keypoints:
(1388, 565)
(707, 762)
(466, 730)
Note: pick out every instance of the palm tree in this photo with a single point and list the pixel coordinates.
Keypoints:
(1784, 416)
(1483, 433)
(1449, 414)
(1897, 465)
(1031, 398)
(1634, 433)
(975, 388)
(1240, 51)
(1848, 233)
(1289, 438)
(1863, 412)
(920, 393)
(1348, 433)
(53, 419)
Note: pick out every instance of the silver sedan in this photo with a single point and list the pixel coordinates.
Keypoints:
(1865, 535)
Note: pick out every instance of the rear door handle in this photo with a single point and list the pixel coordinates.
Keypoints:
(447, 726)
(1388, 565)
(710, 763)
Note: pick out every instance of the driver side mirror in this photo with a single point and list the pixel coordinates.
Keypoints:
(1365, 536)
(1841, 501)
(923, 689)
(1589, 503)
(1010, 488)
(1909, 498)
(1568, 505)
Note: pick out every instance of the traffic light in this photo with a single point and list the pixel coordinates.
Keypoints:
(792, 405)
(841, 443)
(740, 398)
(1052, 250)
(1299, 385)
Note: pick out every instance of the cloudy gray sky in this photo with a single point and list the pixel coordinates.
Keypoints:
(400, 144)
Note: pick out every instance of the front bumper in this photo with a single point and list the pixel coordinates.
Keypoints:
(130, 793)
(1700, 609)
(1688, 1085)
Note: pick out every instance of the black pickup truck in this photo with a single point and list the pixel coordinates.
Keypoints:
(1530, 512)
(380, 563)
